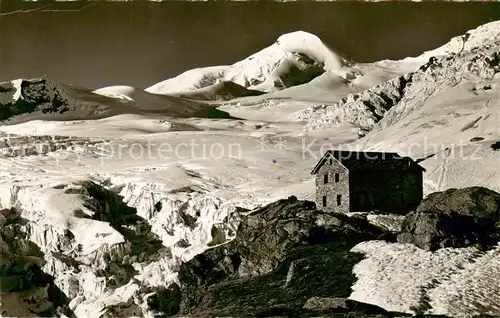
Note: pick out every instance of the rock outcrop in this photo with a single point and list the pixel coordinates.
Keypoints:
(283, 254)
(26, 96)
(363, 109)
(454, 218)
(299, 70)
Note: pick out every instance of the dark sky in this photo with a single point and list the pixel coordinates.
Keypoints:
(140, 44)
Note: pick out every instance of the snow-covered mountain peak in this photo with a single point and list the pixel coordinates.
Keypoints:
(310, 45)
(295, 58)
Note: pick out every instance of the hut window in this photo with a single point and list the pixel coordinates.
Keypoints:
(324, 200)
(325, 179)
(337, 177)
(371, 199)
(339, 199)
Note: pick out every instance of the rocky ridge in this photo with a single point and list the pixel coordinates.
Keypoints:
(26, 96)
(22, 100)
(387, 103)
(288, 259)
(362, 109)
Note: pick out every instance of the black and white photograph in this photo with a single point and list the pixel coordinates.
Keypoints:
(249, 159)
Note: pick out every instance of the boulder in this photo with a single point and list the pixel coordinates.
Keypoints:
(454, 218)
(165, 300)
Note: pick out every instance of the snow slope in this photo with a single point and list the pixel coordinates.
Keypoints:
(220, 91)
(42, 99)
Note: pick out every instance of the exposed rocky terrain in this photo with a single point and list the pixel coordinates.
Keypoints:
(101, 231)
(285, 255)
(288, 259)
(21, 96)
(362, 109)
(450, 246)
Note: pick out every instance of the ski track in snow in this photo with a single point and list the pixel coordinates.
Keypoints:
(443, 171)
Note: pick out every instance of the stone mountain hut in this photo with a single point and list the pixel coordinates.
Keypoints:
(352, 181)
